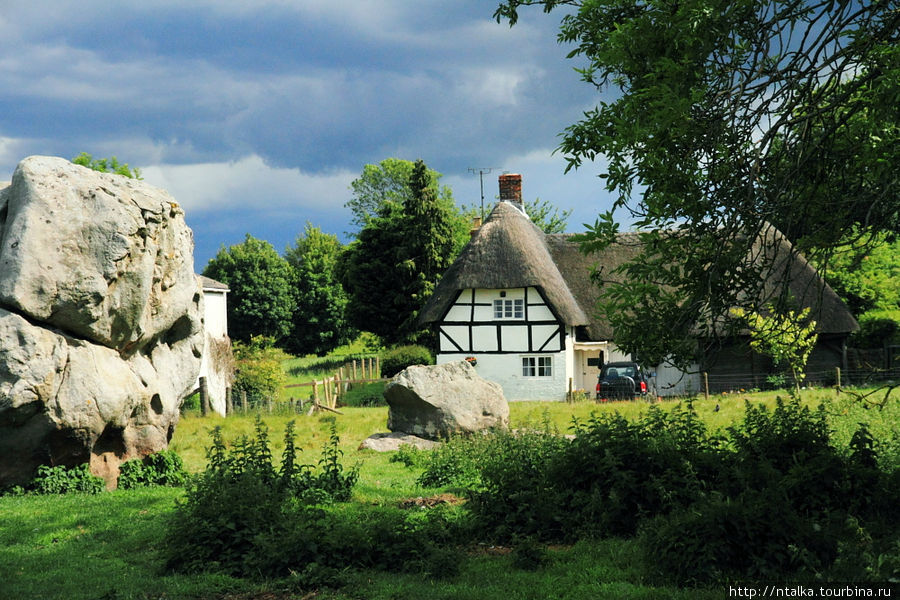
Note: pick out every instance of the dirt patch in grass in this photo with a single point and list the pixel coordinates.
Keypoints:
(432, 501)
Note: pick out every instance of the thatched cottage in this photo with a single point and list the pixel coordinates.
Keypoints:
(521, 304)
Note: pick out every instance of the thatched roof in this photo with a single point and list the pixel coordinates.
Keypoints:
(576, 268)
(806, 287)
(508, 251)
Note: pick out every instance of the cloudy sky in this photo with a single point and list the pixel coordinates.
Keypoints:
(257, 114)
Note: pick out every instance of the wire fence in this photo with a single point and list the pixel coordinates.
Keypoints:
(708, 383)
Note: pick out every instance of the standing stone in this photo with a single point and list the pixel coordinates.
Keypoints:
(100, 319)
(436, 401)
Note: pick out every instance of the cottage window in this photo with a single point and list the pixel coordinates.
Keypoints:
(537, 366)
(509, 309)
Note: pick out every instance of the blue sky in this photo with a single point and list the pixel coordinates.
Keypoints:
(256, 115)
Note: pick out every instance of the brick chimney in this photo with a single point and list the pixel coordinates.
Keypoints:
(511, 190)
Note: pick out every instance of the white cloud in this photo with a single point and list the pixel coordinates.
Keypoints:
(249, 182)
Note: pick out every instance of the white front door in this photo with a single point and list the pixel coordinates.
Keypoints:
(587, 369)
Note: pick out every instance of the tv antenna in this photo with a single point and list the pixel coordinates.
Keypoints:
(482, 171)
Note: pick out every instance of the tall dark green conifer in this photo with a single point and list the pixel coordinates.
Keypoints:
(393, 266)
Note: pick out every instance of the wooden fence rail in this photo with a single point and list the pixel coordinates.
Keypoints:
(332, 388)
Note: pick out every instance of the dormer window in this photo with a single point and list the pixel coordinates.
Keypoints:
(506, 308)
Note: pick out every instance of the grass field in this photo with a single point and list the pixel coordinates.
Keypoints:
(111, 546)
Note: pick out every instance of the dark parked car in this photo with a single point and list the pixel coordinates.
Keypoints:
(622, 381)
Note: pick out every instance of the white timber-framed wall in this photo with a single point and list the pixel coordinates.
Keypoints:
(516, 339)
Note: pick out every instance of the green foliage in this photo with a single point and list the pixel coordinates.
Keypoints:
(107, 165)
(866, 273)
(386, 183)
(402, 249)
(258, 371)
(241, 496)
(65, 480)
(246, 517)
(546, 216)
(261, 300)
(396, 359)
(709, 136)
(877, 328)
(319, 323)
(160, 468)
(770, 497)
(788, 338)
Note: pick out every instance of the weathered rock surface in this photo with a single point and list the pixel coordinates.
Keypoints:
(436, 401)
(100, 318)
(391, 442)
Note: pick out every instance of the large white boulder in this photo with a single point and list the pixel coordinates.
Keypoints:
(100, 318)
(437, 401)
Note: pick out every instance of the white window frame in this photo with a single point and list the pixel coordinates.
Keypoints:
(537, 366)
(512, 309)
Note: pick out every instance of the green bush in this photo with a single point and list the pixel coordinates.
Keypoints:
(258, 371)
(65, 480)
(246, 517)
(877, 328)
(396, 359)
(751, 536)
(242, 495)
(161, 468)
(768, 498)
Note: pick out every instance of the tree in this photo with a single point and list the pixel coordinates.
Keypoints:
(388, 182)
(319, 323)
(547, 217)
(722, 118)
(867, 276)
(788, 338)
(261, 301)
(398, 256)
(107, 165)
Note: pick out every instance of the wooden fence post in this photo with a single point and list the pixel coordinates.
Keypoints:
(706, 385)
(377, 367)
(204, 397)
(837, 380)
(316, 392)
(229, 402)
(354, 370)
(244, 401)
(569, 397)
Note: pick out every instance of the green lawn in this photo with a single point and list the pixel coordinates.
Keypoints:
(110, 546)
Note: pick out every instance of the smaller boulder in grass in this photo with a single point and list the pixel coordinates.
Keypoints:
(436, 401)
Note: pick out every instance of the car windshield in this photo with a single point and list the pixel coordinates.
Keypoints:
(620, 371)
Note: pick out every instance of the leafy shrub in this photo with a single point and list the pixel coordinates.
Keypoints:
(408, 455)
(161, 468)
(65, 480)
(258, 371)
(241, 496)
(396, 359)
(246, 517)
(877, 328)
(456, 462)
(788, 502)
(752, 535)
